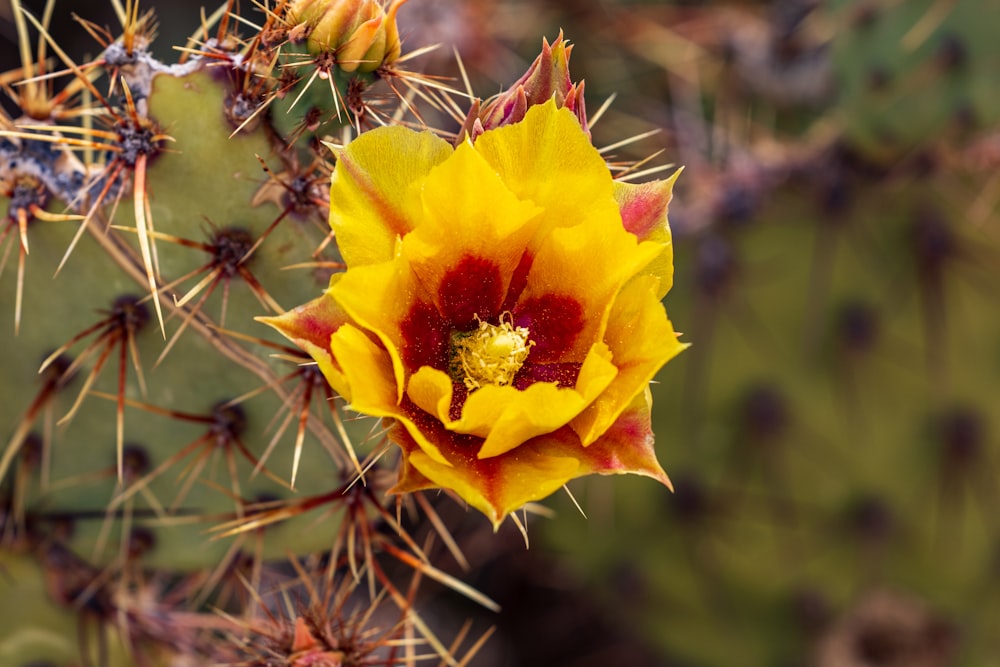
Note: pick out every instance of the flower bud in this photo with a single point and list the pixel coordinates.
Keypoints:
(547, 78)
(362, 35)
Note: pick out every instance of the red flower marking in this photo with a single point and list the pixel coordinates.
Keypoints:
(426, 338)
(518, 281)
(472, 288)
(554, 321)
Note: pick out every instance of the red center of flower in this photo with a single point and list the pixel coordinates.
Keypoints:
(470, 292)
(480, 333)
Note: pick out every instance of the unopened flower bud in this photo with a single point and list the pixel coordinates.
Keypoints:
(362, 35)
(547, 78)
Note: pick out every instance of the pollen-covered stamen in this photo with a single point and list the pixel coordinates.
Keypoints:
(490, 354)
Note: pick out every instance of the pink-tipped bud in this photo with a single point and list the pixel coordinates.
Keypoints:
(547, 78)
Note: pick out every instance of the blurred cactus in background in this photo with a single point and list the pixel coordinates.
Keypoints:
(833, 433)
(177, 483)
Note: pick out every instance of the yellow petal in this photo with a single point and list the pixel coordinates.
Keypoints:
(368, 372)
(502, 484)
(574, 278)
(474, 235)
(526, 477)
(375, 187)
(372, 389)
(431, 390)
(508, 417)
(378, 298)
(547, 158)
(642, 340)
(310, 326)
(496, 486)
(505, 416)
(644, 213)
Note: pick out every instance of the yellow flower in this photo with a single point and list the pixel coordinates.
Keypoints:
(501, 306)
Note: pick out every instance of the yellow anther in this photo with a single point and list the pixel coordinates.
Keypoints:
(490, 354)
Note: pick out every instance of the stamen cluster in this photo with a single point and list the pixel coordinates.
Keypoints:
(490, 354)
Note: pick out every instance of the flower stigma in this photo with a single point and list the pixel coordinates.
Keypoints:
(490, 354)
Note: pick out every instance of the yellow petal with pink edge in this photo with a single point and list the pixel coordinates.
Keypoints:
(506, 417)
(641, 339)
(644, 213)
(310, 326)
(375, 190)
(502, 484)
(548, 159)
(627, 446)
(496, 486)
